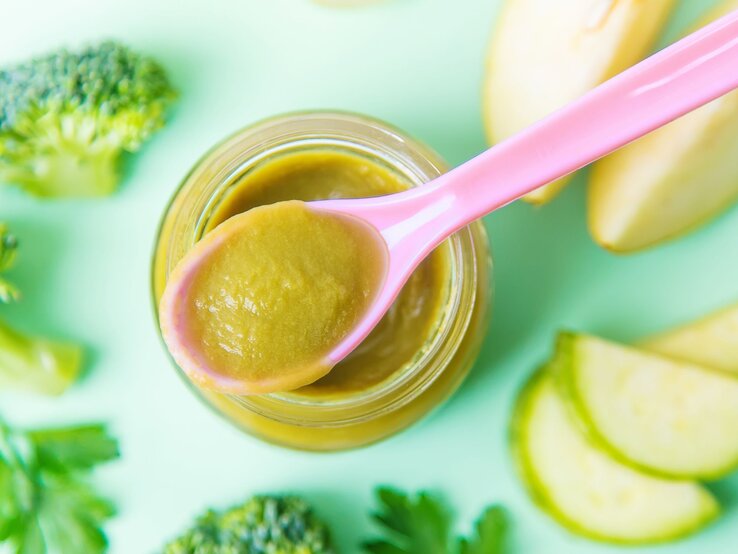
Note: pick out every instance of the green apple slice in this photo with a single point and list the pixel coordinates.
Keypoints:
(547, 53)
(711, 341)
(669, 181)
(588, 491)
(669, 417)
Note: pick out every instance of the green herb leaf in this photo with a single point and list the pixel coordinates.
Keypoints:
(413, 525)
(73, 448)
(421, 524)
(71, 515)
(490, 531)
(46, 502)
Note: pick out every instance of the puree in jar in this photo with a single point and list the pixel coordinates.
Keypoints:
(412, 320)
(262, 300)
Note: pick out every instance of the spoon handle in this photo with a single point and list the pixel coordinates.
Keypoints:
(699, 68)
(672, 82)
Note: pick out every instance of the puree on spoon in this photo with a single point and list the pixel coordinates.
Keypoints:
(413, 320)
(257, 305)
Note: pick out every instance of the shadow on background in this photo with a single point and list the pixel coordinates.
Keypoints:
(535, 249)
(42, 243)
(343, 514)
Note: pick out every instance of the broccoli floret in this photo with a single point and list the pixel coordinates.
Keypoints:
(263, 525)
(66, 118)
(31, 363)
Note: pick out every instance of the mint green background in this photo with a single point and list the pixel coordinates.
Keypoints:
(84, 266)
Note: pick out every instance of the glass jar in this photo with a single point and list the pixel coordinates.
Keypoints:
(437, 369)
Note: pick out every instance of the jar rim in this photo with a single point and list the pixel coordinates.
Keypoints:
(226, 162)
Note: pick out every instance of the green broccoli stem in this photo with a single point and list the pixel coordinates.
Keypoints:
(73, 171)
(8, 249)
(37, 364)
(8, 292)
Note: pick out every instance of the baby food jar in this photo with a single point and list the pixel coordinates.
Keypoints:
(420, 365)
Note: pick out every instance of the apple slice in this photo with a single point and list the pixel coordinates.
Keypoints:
(547, 53)
(670, 181)
(666, 416)
(711, 341)
(587, 491)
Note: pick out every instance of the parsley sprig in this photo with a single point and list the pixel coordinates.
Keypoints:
(421, 524)
(46, 501)
(489, 533)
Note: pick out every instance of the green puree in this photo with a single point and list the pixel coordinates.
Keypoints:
(412, 320)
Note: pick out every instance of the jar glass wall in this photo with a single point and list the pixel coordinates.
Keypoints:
(432, 364)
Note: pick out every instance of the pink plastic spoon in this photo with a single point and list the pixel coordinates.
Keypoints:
(690, 73)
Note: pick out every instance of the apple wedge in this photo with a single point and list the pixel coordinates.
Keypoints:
(670, 181)
(346, 3)
(665, 416)
(711, 341)
(587, 491)
(546, 53)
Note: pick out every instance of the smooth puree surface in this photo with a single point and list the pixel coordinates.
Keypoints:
(412, 320)
(261, 301)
